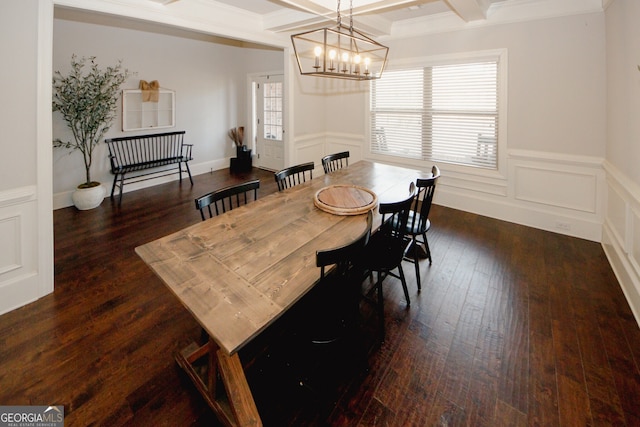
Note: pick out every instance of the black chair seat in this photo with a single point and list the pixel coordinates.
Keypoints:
(383, 252)
(331, 312)
(417, 225)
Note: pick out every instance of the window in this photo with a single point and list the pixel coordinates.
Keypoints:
(273, 111)
(444, 113)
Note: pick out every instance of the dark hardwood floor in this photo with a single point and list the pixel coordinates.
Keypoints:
(514, 326)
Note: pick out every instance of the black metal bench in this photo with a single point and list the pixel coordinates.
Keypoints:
(136, 154)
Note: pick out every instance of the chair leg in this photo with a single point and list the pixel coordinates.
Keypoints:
(416, 263)
(426, 246)
(404, 285)
(380, 305)
(189, 172)
(113, 187)
(121, 189)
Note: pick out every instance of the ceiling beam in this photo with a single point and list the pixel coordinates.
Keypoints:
(378, 6)
(469, 10)
(312, 13)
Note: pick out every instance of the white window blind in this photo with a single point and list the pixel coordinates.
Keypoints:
(445, 113)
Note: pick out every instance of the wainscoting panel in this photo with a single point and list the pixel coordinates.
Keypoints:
(554, 187)
(336, 143)
(621, 234)
(10, 235)
(19, 249)
(617, 216)
(476, 185)
(634, 250)
(559, 193)
(310, 148)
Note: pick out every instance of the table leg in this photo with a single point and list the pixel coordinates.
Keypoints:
(233, 403)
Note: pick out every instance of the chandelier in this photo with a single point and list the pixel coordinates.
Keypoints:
(339, 52)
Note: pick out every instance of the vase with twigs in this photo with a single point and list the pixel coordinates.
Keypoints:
(237, 136)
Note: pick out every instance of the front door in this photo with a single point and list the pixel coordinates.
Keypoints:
(268, 121)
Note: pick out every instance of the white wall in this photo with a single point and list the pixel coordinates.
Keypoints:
(621, 231)
(19, 89)
(553, 177)
(556, 78)
(26, 223)
(209, 80)
(328, 117)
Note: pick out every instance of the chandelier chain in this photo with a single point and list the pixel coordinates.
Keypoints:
(351, 16)
(339, 19)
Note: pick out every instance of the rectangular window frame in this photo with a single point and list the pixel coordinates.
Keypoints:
(499, 55)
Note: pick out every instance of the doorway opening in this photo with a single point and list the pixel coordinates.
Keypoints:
(268, 121)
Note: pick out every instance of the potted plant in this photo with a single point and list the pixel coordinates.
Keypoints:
(87, 98)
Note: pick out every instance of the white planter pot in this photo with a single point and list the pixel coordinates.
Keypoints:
(88, 198)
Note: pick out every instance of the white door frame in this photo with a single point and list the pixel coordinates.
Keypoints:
(253, 79)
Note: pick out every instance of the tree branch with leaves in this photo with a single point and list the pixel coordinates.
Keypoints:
(87, 98)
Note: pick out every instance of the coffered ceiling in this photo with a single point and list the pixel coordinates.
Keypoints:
(378, 15)
(387, 17)
(272, 21)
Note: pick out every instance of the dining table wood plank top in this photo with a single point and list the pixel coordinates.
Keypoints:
(238, 272)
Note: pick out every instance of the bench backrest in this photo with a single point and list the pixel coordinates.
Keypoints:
(141, 149)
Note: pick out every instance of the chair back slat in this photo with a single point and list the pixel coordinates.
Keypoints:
(223, 199)
(145, 149)
(294, 175)
(344, 256)
(333, 162)
(395, 215)
(423, 200)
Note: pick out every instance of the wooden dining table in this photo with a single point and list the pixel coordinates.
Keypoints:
(237, 273)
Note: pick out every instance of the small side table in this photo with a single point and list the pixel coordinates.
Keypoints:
(242, 163)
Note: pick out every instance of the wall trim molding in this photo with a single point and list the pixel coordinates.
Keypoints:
(621, 234)
(556, 192)
(17, 196)
(557, 158)
(622, 182)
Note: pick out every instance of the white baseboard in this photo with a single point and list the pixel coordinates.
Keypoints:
(510, 211)
(624, 271)
(63, 199)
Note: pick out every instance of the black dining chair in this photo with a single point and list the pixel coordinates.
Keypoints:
(225, 199)
(335, 161)
(327, 317)
(419, 223)
(339, 289)
(294, 175)
(385, 251)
